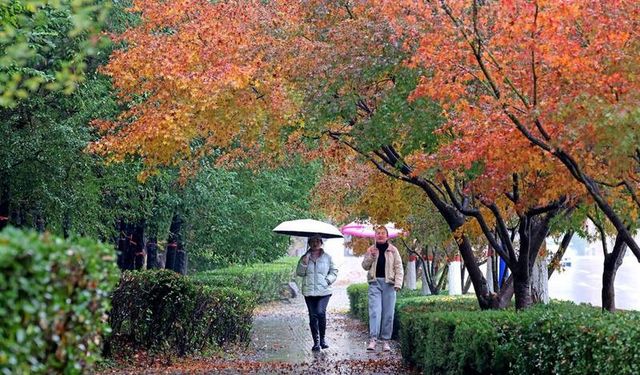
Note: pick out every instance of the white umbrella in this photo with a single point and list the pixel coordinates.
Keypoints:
(308, 228)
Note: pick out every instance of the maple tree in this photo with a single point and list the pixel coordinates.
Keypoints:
(562, 75)
(198, 78)
(343, 96)
(359, 100)
(316, 70)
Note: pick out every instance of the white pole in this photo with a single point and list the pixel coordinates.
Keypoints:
(426, 291)
(410, 274)
(490, 270)
(453, 278)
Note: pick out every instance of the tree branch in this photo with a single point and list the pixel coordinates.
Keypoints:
(603, 235)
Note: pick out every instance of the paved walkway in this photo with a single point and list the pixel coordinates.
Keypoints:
(281, 334)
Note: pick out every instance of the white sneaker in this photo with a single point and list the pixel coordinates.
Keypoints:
(386, 347)
(372, 345)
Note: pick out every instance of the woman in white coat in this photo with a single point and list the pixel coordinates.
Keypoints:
(318, 272)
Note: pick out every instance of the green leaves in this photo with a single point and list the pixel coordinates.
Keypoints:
(230, 214)
(53, 295)
(45, 43)
(162, 311)
(263, 280)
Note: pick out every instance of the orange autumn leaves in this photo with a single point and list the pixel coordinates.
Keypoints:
(198, 77)
(201, 76)
(566, 72)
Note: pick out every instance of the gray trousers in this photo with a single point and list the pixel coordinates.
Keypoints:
(382, 303)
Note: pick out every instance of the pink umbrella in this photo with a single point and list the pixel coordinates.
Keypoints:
(366, 230)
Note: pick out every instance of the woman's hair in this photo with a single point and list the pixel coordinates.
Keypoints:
(381, 227)
(316, 237)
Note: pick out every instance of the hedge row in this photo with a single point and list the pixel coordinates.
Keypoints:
(161, 311)
(53, 302)
(449, 335)
(560, 338)
(359, 303)
(264, 280)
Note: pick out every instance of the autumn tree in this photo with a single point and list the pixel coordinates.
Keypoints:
(561, 75)
(359, 99)
(262, 72)
(182, 105)
(199, 78)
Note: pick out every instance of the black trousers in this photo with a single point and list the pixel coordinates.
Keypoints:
(317, 306)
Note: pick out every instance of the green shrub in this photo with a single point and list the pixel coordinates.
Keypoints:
(53, 302)
(161, 311)
(264, 280)
(560, 338)
(359, 303)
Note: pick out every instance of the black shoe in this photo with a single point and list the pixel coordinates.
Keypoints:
(315, 347)
(323, 344)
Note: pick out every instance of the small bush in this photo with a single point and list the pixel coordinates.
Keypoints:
(53, 302)
(264, 280)
(161, 311)
(359, 301)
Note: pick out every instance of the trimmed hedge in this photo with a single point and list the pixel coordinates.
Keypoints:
(53, 302)
(559, 338)
(161, 311)
(263, 280)
(449, 335)
(359, 303)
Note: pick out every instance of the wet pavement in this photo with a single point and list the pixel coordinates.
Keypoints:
(281, 333)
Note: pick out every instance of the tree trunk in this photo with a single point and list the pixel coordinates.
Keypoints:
(426, 289)
(16, 217)
(495, 268)
(38, 221)
(540, 278)
(174, 242)
(137, 244)
(557, 257)
(532, 232)
(466, 286)
(152, 253)
(522, 288)
(462, 277)
(181, 262)
(410, 273)
(66, 224)
(5, 198)
(612, 262)
(455, 285)
(443, 278)
(506, 293)
(489, 272)
(129, 254)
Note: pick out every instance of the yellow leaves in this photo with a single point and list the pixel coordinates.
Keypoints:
(195, 69)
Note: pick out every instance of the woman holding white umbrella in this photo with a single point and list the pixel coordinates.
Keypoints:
(318, 272)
